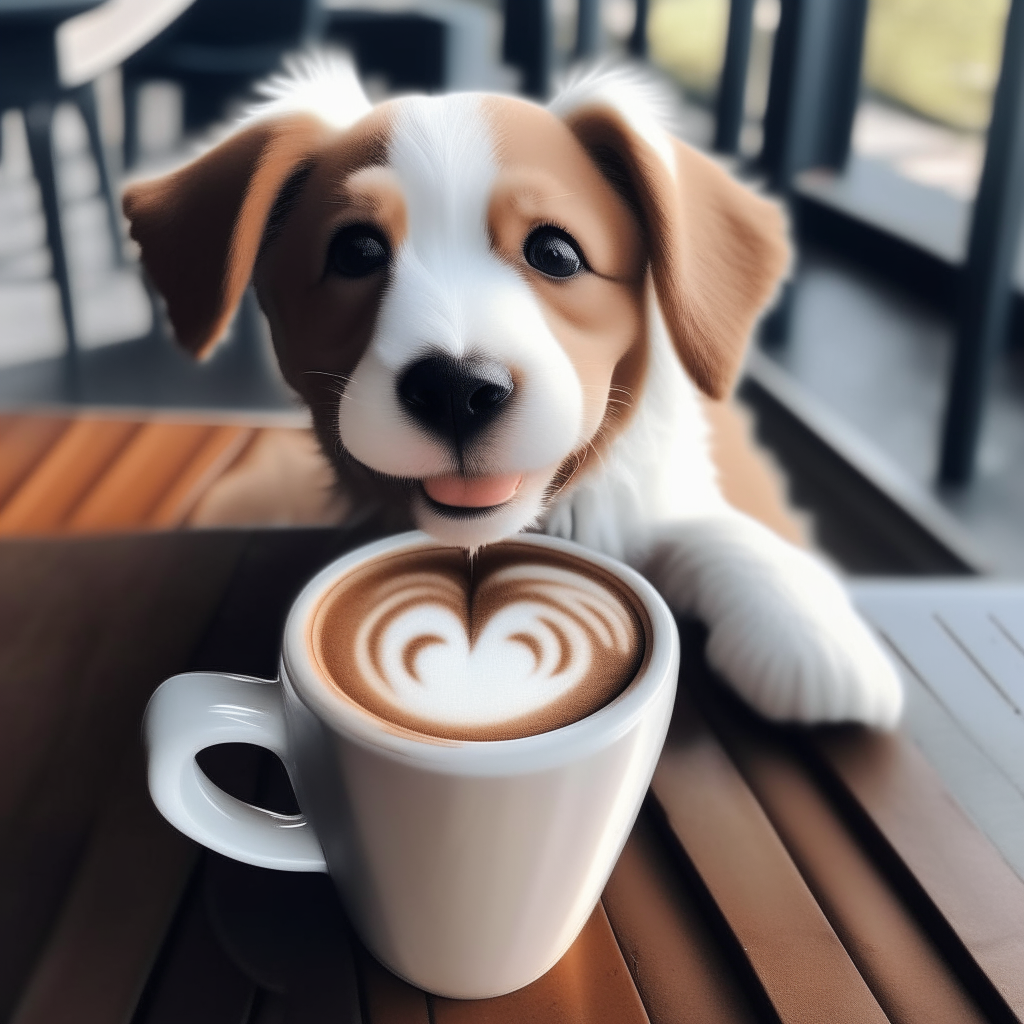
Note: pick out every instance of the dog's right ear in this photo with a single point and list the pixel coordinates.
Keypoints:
(200, 227)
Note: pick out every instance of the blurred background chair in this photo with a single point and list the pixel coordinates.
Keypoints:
(30, 80)
(424, 45)
(51, 53)
(214, 52)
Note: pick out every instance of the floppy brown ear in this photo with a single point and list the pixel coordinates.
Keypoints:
(717, 250)
(200, 227)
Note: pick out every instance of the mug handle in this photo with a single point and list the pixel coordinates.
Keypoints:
(195, 710)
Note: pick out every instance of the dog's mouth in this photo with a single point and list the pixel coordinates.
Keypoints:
(470, 496)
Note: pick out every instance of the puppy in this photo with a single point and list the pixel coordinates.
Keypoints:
(501, 316)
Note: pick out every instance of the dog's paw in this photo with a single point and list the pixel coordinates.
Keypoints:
(782, 630)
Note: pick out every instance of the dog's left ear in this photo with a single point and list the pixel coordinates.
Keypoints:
(200, 227)
(717, 250)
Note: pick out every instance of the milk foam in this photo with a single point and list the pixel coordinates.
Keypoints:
(517, 643)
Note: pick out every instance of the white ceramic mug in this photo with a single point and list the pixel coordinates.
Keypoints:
(467, 867)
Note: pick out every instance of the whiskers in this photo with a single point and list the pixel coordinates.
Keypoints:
(579, 457)
(339, 381)
(612, 397)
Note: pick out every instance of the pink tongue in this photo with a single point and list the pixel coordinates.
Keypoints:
(472, 492)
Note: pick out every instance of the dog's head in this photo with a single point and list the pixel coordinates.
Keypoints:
(458, 286)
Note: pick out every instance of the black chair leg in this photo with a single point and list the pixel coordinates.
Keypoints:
(39, 128)
(85, 97)
(130, 91)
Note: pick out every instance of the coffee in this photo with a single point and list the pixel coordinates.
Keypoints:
(515, 641)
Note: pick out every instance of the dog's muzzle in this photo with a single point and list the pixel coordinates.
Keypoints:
(455, 399)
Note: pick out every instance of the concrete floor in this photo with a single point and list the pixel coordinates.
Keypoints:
(875, 358)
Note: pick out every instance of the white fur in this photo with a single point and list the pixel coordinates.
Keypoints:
(781, 629)
(646, 106)
(321, 82)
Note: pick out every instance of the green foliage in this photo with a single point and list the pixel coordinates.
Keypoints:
(687, 39)
(939, 57)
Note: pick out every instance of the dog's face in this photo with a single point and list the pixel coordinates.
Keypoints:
(458, 285)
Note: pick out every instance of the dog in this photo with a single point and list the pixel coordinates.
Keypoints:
(502, 317)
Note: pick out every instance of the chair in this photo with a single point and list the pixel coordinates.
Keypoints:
(50, 54)
(30, 80)
(215, 50)
(407, 47)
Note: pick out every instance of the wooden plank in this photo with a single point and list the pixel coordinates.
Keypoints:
(121, 903)
(326, 992)
(222, 448)
(387, 999)
(78, 459)
(962, 874)
(88, 628)
(903, 967)
(124, 497)
(23, 443)
(589, 985)
(802, 966)
(195, 981)
(677, 964)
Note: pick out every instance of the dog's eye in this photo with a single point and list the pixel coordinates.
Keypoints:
(553, 252)
(358, 251)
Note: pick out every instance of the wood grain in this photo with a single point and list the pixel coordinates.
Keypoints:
(133, 485)
(677, 964)
(589, 985)
(905, 970)
(802, 966)
(124, 895)
(88, 628)
(24, 440)
(962, 874)
(49, 495)
(220, 450)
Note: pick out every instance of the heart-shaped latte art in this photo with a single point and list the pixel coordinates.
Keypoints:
(513, 643)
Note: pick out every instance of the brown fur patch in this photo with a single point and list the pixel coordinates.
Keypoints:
(322, 323)
(200, 227)
(717, 250)
(599, 318)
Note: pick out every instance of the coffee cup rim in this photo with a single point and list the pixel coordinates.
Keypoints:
(535, 752)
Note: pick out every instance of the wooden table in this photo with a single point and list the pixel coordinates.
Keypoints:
(774, 875)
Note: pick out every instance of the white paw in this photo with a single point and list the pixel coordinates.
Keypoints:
(782, 631)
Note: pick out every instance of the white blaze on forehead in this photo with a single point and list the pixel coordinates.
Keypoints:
(442, 152)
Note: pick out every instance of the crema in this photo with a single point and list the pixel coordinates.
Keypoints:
(514, 641)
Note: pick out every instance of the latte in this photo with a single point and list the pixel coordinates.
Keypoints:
(516, 641)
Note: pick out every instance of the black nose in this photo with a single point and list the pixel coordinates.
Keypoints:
(454, 398)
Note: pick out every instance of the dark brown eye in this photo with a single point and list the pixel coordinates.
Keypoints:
(358, 251)
(553, 252)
